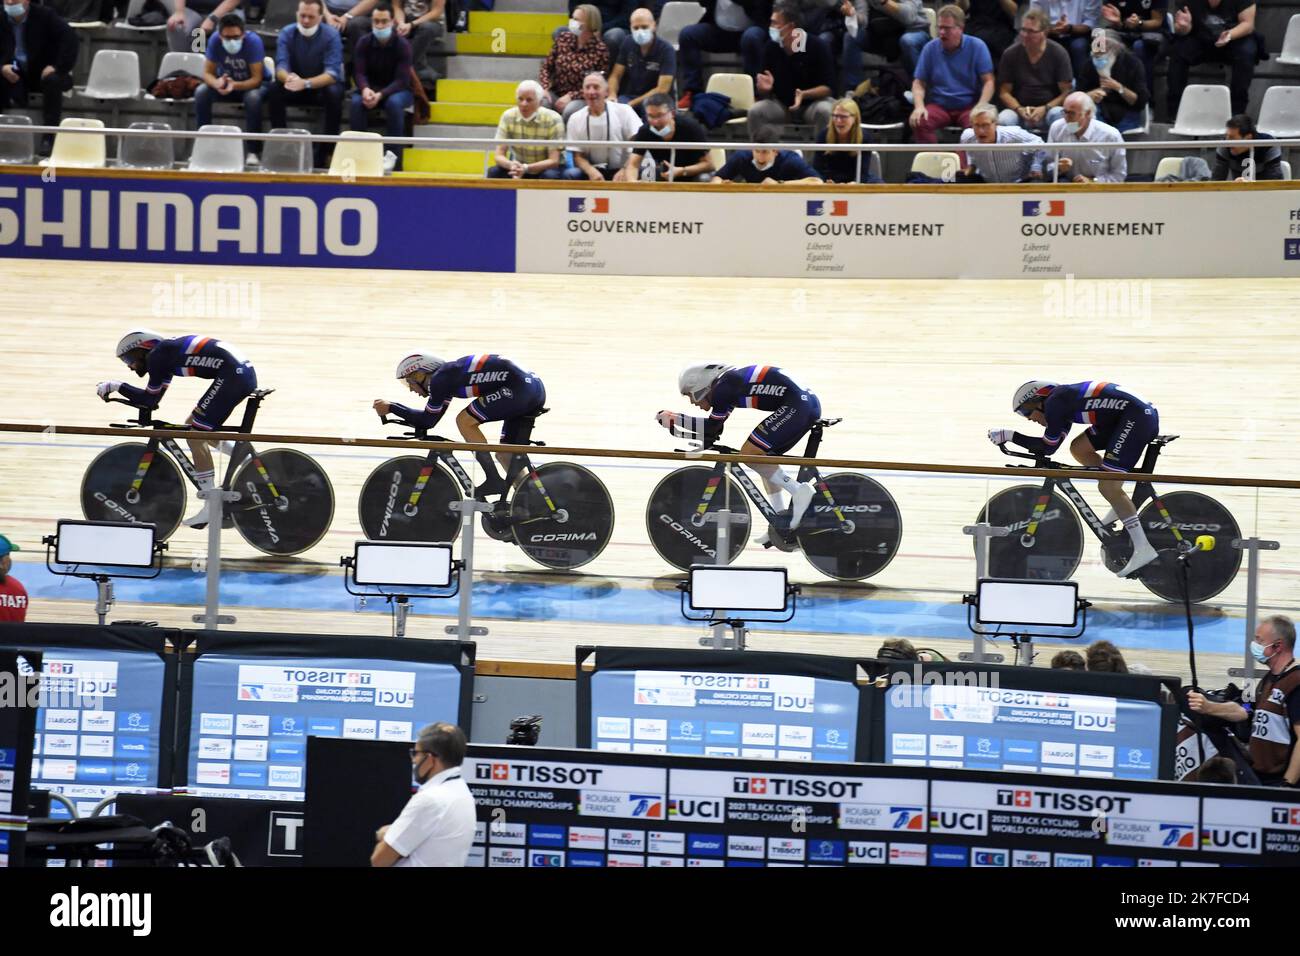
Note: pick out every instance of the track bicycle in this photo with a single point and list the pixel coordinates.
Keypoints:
(850, 531)
(560, 514)
(286, 501)
(1046, 542)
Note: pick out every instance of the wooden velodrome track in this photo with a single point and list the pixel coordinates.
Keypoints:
(919, 371)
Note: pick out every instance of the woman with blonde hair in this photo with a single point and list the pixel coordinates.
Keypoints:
(841, 165)
(577, 52)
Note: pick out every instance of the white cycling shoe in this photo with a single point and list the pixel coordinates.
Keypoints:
(800, 499)
(764, 540)
(1142, 556)
(199, 520)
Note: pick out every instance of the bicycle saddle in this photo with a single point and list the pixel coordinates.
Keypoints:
(827, 422)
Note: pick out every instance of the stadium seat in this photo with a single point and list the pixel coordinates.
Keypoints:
(1141, 130)
(287, 155)
(675, 16)
(876, 164)
(79, 150)
(191, 63)
(279, 14)
(147, 152)
(739, 87)
(1279, 114)
(1169, 166)
(1291, 44)
(933, 19)
(1286, 170)
(135, 8)
(365, 157)
(936, 165)
(114, 75)
(17, 142)
(217, 155)
(1203, 111)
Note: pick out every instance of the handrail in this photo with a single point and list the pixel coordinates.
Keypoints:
(685, 457)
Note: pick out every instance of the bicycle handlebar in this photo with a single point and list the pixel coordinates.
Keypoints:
(1042, 461)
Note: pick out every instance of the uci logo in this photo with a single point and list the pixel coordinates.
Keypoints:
(1087, 721)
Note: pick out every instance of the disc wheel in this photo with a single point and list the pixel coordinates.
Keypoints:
(1209, 572)
(106, 485)
(572, 533)
(286, 503)
(387, 512)
(856, 536)
(1057, 542)
(674, 529)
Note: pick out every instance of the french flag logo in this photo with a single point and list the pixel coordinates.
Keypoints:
(582, 204)
(836, 207)
(1053, 207)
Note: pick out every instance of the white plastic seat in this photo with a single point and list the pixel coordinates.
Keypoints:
(79, 150)
(17, 141)
(191, 63)
(1286, 170)
(364, 157)
(936, 165)
(739, 87)
(1169, 166)
(1203, 111)
(114, 75)
(287, 155)
(217, 155)
(1146, 124)
(1291, 43)
(933, 19)
(676, 16)
(147, 152)
(1279, 114)
(135, 8)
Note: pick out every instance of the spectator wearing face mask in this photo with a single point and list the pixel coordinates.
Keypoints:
(767, 166)
(666, 127)
(1115, 80)
(382, 70)
(1073, 134)
(1274, 702)
(645, 64)
(575, 53)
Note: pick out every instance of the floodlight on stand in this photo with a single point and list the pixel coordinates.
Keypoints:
(732, 596)
(1029, 609)
(102, 550)
(400, 570)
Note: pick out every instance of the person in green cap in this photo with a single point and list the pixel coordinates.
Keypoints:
(13, 596)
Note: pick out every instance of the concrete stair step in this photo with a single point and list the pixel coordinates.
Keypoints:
(438, 175)
(453, 131)
(504, 43)
(496, 92)
(509, 68)
(470, 162)
(533, 6)
(538, 24)
(470, 114)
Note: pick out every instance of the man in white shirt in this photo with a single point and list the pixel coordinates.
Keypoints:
(1082, 163)
(1001, 166)
(436, 827)
(600, 119)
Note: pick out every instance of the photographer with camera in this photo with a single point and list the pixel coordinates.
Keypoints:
(1274, 701)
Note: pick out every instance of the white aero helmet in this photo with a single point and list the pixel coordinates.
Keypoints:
(138, 339)
(696, 380)
(1035, 391)
(418, 362)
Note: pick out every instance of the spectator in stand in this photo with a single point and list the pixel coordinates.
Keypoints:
(615, 20)
(664, 127)
(192, 19)
(601, 119)
(1068, 661)
(233, 71)
(767, 167)
(351, 19)
(841, 165)
(39, 52)
(13, 596)
(798, 74)
(1034, 77)
(1105, 658)
(993, 21)
(382, 72)
(1236, 162)
(1002, 166)
(1116, 81)
(308, 71)
(1085, 164)
(1140, 26)
(727, 26)
(528, 119)
(646, 64)
(576, 53)
(421, 22)
(954, 74)
(1213, 31)
(894, 29)
(1071, 25)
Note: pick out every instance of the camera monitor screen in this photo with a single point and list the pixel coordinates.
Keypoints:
(744, 707)
(1035, 731)
(251, 714)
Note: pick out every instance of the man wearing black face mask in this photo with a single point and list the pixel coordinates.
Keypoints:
(1275, 704)
(436, 827)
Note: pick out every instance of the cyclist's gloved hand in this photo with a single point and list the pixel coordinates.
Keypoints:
(666, 419)
(1000, 436)
(105, 389)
